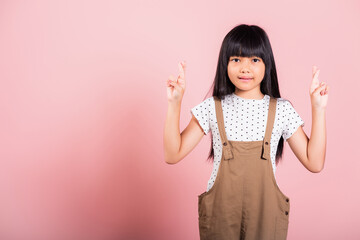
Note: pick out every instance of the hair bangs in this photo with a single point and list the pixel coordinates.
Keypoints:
(247, 45)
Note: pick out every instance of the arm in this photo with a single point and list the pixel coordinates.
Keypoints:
(311, 152)
(176, 145)
(172, 138)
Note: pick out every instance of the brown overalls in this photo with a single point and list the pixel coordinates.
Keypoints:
(245, 203)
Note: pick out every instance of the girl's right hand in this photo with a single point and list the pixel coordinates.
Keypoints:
(176, 88)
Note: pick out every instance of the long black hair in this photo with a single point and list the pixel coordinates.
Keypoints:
(246, 41)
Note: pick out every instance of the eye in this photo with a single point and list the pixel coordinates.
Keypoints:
(237, 59)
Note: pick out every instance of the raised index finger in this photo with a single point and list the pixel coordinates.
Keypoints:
(315, 81)
(182, 67)
(315, 72)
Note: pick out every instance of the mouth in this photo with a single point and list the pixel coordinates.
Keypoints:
(244, 78)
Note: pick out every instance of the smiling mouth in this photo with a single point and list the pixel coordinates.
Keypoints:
(245, 79)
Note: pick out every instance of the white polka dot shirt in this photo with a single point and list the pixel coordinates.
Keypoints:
(245, 120)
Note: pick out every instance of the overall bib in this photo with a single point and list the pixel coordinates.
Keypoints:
(245, 203)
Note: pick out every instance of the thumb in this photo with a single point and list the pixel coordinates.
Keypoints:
(175, 85)
(320, 88)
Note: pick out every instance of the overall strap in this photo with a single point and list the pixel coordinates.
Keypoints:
(220, 121)
(269, 127)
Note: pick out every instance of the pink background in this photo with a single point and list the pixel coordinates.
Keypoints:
(83, 105)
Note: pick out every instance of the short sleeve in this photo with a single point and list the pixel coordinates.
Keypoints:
(202, 114)
(292, 120)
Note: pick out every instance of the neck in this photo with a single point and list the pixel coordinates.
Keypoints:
(249, 95)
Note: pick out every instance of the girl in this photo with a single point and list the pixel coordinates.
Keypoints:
(249, 122)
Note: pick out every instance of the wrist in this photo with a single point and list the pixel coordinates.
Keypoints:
(318, 109)
(318, 112)
(174, 104)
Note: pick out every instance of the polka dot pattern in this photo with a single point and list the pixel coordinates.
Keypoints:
(245, 120)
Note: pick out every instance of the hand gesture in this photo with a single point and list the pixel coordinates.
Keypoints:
(319, 92)
(176, 88)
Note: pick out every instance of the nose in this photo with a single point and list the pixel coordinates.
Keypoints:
(244, 70)
(245, 67)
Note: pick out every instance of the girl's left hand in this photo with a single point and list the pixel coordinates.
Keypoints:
(318, 91)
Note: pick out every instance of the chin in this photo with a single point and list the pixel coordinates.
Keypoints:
(242, 88)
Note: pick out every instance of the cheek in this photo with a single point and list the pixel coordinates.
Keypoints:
(261, 71)
(231, 72)
(263, 68)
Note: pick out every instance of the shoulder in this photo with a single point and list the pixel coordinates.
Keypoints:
(207, 103)
(204, 107)
(210, 101)
(284, 105)
(283, 102)
(287, 111)
(203, 112)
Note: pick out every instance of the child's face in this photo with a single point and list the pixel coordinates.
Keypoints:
(252, 67)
